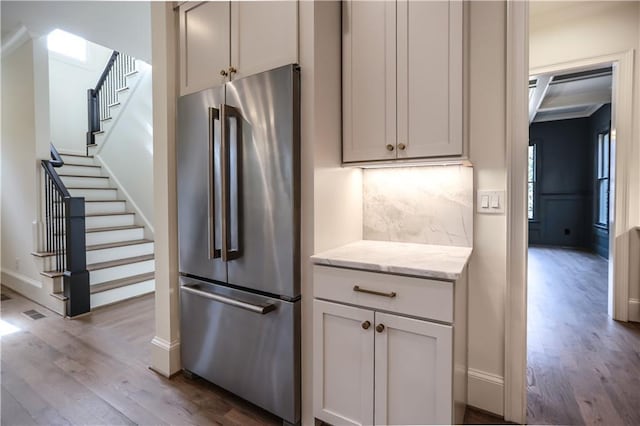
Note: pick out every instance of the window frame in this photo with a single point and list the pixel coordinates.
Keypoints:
(602, 173)
(534, 182)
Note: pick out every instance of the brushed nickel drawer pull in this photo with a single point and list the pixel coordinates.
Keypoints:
(377, 293)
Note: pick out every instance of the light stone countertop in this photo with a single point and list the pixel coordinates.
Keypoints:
(421, 260)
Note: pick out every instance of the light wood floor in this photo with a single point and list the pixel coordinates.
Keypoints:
(94, 371)
(583, 367)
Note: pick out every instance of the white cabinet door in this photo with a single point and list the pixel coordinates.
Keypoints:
(429, 78)
(342, 364)
(204, 44)
(369, 80)
(264, 35)
(412, 371)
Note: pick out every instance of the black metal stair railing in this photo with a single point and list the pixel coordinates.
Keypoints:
(65, 237)
(105, 95)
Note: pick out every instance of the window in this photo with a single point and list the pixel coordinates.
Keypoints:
(602, 180)
(531, 182)
(67, 44)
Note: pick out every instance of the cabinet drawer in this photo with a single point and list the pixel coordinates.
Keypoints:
(419, 297)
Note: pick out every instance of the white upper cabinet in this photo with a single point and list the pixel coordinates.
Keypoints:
(402, 80)
(204, 45)
(264, 35)
(223, 40)
(369, 80)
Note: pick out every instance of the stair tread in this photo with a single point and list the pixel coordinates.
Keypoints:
(51, 274)
(83, 176)
(80, 165)
(119, 262)
(110, 285)
(91, 187)
(97, 247)
(75, 155)
(118, 244)
(59, 296)
(108, 214)
(114, 228)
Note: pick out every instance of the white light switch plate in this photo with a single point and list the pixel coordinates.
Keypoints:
(490, 202)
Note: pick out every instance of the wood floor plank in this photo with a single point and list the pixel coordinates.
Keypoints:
(583, 367)
(94, 370)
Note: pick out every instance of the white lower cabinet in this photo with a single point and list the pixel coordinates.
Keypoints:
(412, 371)
(343, 364)
(375, 367)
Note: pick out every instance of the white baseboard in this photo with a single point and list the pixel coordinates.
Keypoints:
(165, 356)
(486, 391)
(634, 310)
(31, 289)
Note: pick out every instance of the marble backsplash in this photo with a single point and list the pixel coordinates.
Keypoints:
(429, 205)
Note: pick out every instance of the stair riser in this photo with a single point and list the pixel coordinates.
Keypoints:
(109, 221)
(122, 293)
(95, 194)
(48, 263)
(79, 170)
(106, 221)
(115, 253)
(86, 182)
(114, 236)
(78, 160)
(105, 207)
(122, 271)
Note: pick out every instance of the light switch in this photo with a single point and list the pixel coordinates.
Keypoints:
(491, 202)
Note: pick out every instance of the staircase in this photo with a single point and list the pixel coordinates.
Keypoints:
(119, 259)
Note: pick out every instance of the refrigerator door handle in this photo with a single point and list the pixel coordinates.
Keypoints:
(228, 253)
(214, 253)
(259, 309)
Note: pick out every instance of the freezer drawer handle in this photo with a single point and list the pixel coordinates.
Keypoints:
(377, 293)
(259, 309)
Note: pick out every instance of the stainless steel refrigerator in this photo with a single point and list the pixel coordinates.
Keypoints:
(238, 153)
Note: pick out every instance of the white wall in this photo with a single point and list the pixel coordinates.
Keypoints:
(69, 80)
(20, 170)
(122, 25)
(126, 150)
(331, 195)
(487, 269)
(563, 32)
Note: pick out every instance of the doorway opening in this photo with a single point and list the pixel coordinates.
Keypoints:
(578, 357)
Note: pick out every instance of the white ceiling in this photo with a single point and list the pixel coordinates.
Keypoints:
(120, 25)
(555, 99)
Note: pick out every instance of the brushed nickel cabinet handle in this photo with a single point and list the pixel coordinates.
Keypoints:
(223, 73)
(366, 325)
(401, 146)
(374, 292)
(390, 147)
(232, 70)
(380, 328)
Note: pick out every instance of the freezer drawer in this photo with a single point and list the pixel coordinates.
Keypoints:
(243, 342)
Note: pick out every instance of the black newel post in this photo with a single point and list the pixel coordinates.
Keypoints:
(76, 276)
(94, 115)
